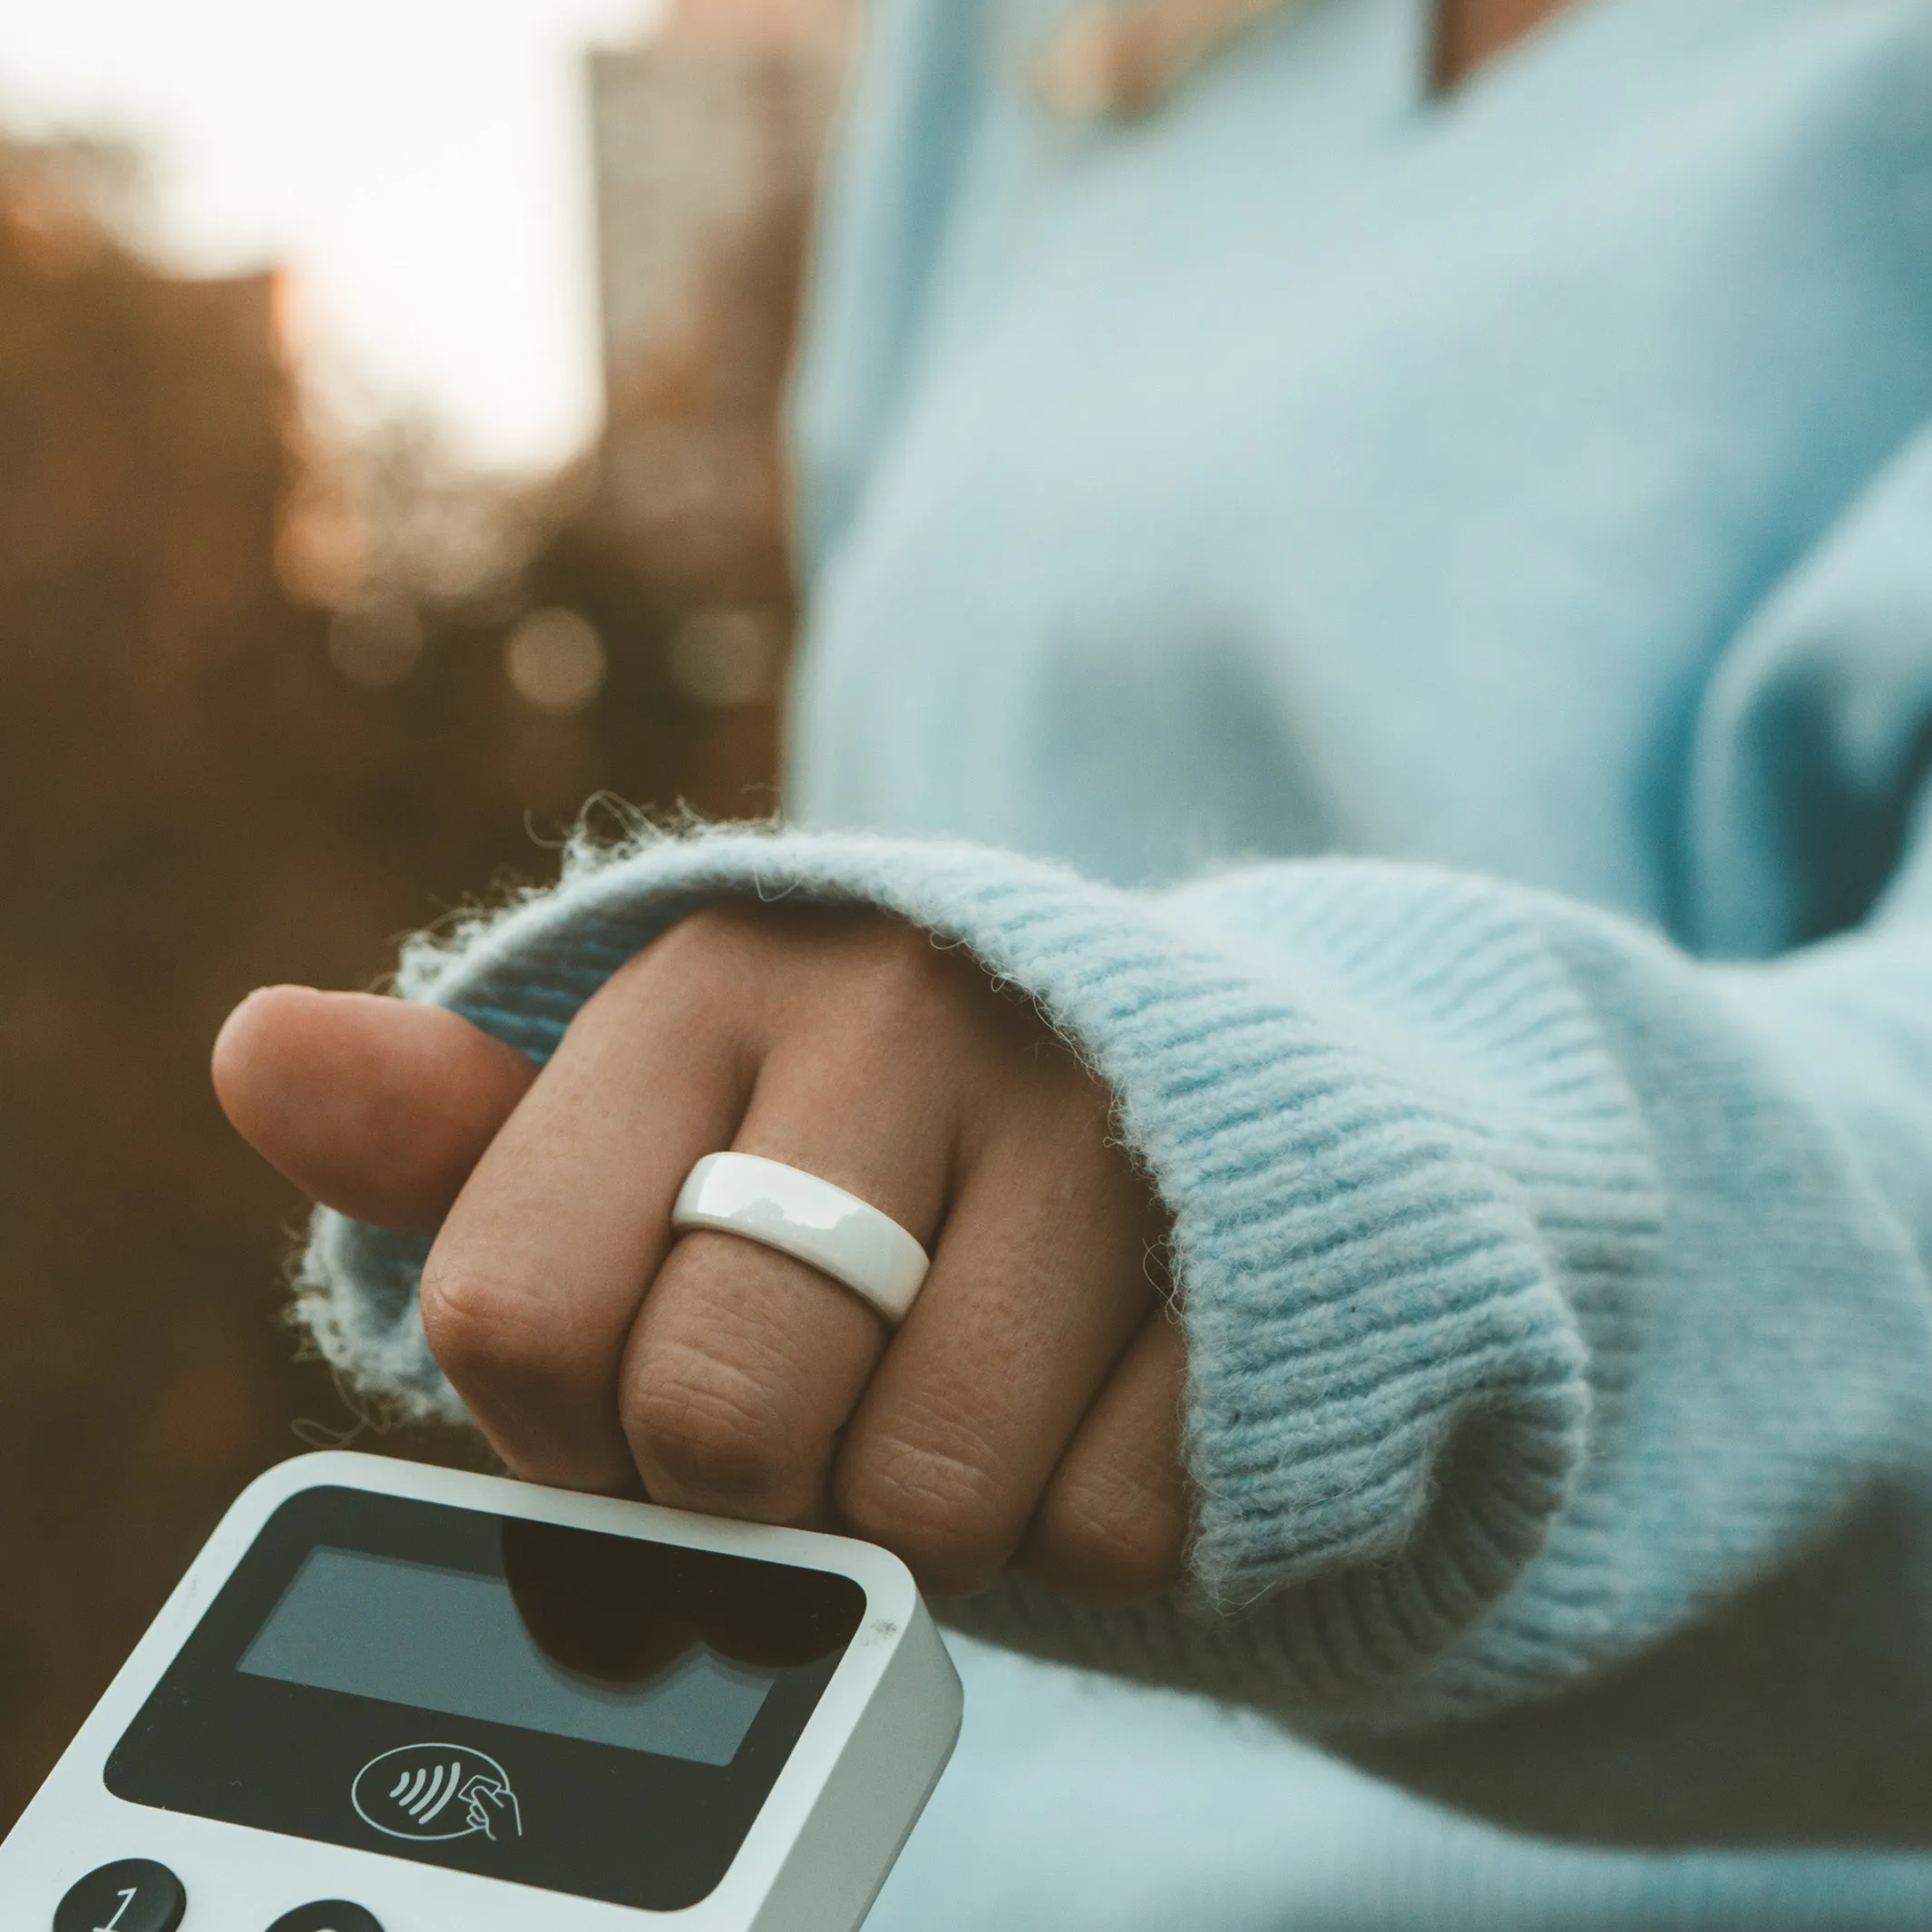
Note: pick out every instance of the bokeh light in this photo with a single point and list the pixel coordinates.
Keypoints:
(725, 657)
(556, 662)
(377, 647)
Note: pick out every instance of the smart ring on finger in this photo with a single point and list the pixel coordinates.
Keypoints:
(809, 1219)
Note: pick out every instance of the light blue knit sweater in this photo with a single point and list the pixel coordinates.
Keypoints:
(1408, 628)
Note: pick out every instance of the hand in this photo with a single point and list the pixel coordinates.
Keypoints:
(490, 1807)
(1027, 1409)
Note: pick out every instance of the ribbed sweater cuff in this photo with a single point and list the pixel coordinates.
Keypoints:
(1406, 1180)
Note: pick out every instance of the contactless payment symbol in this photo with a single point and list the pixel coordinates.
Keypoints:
(437, 1792)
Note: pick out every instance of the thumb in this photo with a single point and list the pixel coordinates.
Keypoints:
(376, 1107)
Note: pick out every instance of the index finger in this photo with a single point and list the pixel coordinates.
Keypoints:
(537, 1275)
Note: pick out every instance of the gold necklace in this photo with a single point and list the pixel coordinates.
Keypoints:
(1125, 57)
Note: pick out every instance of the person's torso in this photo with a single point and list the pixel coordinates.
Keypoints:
(1314, 466)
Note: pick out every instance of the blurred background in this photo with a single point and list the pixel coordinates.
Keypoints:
(388, 464)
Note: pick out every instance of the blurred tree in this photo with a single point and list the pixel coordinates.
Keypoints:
(269, 697)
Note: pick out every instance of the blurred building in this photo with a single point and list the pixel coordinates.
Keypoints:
(708, 136)
(144, 460)
(235, 748)
(142, 466)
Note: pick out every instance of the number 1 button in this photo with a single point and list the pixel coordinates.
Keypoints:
(133, 1894)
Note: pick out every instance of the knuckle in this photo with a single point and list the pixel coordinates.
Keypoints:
(706, 942)
(480, 1325)
(1107, 1540)
(815, 965)
(707, 929)
(708, 1426)
(942, 1513)
(908, 973)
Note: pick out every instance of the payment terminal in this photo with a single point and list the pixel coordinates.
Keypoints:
(390, 1698)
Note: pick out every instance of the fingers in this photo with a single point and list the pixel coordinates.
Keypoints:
(535, 1280)
(1112, 1528)
(745, 1364)
(376, 1107)
(1037, 1286)
(1027, 1407)
(751, 1385)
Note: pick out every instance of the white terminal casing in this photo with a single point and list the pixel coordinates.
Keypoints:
(822, 1843)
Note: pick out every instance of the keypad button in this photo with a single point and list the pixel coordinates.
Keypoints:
(328, 1914)
(131, 1895)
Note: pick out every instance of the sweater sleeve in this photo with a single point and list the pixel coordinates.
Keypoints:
(1549, 1299)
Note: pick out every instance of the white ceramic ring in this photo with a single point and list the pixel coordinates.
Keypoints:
(809, 1219)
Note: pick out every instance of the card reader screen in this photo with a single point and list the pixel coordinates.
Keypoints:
(585, 1713)
(447, 1640)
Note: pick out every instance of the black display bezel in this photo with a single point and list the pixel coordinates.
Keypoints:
(622, 1826)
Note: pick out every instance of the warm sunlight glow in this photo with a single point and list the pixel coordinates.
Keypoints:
(419, 165)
